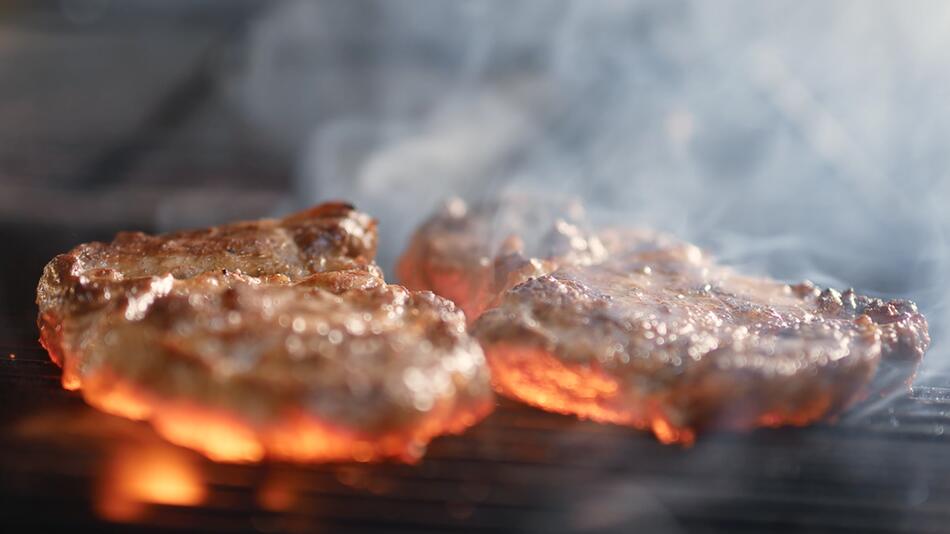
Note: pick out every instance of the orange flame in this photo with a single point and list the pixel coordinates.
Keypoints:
(538, 378)
(136, 477)
(223, 436)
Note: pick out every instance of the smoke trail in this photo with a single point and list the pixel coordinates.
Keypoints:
(798, 139)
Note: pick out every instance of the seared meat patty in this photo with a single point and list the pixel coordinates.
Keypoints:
(471, 254)
(636, 327)
(273, 338)
(659, 336)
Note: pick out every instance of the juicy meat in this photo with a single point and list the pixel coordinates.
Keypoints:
(326, 238)
(659, 336)
(273, 338)
(635, 327)
(471, 254)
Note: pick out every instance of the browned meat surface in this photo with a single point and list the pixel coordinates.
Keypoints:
(274, 338)
(328, 237)
(635, 327)
(470, 254)
(659, 336)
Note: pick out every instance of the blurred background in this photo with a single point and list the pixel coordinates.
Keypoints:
(799, 139)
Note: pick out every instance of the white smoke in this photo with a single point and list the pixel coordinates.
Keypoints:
(803, 139)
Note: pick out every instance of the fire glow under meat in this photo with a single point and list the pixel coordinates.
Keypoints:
(272, 338)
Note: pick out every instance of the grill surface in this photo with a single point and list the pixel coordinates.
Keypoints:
(519, 470)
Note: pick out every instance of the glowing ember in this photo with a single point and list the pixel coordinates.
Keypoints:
(117, 399)
(136, 477)
(667, 434)
(216, 435)
(537, 378)
(222, 437)
(139, 468)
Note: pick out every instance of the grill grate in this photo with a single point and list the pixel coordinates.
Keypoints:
(519, 470)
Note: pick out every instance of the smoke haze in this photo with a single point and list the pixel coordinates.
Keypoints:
(795, 139)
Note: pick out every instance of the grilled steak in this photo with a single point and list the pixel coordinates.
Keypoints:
(273, 338)
(635, 327)
(659, 336)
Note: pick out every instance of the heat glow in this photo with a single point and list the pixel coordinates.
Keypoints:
(136, 477)
(223, 436)
(297, 437)
(532, 375)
